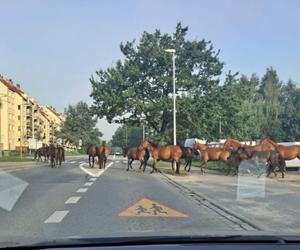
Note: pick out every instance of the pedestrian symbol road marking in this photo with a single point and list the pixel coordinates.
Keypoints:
(146, 207)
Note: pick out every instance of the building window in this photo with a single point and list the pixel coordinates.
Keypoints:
(19, 139)
(19, 117)
(19, 128)
(19, 107)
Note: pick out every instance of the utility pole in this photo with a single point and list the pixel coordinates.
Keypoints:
(143, 132)
(220, 128)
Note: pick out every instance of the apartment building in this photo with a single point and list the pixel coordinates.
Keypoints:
(22, 118)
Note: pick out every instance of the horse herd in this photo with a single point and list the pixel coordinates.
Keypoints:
(53, 153)
(232, 153)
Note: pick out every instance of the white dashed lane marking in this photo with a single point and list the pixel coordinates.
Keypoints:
(117, 161)
(82, 190)
(57, 216)
(72, 162)
(88, 184)
(73, 200)
(93, 179)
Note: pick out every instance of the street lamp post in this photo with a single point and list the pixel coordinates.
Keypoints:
(173, 51)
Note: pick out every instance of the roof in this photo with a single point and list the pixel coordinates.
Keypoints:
(11, 86)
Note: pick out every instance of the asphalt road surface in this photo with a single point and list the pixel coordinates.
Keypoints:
(53, 203)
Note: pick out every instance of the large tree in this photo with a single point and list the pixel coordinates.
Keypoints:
(139, 88)
(80, 125)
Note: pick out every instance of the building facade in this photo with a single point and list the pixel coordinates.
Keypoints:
(22, 118)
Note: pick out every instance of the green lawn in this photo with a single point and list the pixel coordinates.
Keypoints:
(15, 158)
(73, 153)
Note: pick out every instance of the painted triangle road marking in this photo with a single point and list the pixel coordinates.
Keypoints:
(150, 208)
(11, 189)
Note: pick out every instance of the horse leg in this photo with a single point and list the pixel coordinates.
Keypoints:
(89, 161)
(142, 162)
(153, 167)
(190, 165)
(130, 163)
(177, 166)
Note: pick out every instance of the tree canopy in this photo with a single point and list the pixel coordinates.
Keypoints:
(80, 125)
(138, 90)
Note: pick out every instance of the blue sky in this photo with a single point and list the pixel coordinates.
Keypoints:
(52, 47)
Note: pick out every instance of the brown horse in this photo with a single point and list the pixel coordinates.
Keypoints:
(136, 153)
(212, 154)
(92, 153)
(188, 155)
(165, 153)
(232, 144)
(57, 155)
(103, 153)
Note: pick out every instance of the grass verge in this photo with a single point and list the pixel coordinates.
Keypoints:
(166, 167)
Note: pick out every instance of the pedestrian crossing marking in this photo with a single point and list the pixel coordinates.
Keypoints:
(150, 208)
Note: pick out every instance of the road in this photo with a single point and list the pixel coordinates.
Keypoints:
(67, 202)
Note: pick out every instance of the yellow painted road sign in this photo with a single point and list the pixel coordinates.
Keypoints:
(146, 208)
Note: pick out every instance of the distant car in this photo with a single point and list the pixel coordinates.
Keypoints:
(116, 151)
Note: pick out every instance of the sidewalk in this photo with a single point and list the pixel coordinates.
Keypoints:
(275, 209)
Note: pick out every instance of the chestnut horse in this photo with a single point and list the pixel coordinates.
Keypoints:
(103, 153)
(165, 153)
(136, 153)
(265, 145)
(92, 153)
(212, 154)
(232, 144)
(287, 152)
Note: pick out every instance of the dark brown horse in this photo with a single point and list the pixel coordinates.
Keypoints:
(42, 152)
(188, 155)
(272, 158)
(136, 153)
(103, 153)
(92, 153)
(212, 154)
(165, 153)
(56, 154)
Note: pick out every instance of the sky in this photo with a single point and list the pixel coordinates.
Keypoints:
(52, 47)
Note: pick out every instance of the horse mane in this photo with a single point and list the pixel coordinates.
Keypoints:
(152, 143)
(269, 141)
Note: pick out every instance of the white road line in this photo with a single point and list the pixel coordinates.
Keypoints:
(57, 216)
(82, 190)
(87, 184)
(93, 179)
(100, 172)
(117, 161)
(72, 162)
(125, 162)
(73, 200)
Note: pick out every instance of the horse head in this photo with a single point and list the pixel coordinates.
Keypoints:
(199, 146)
(148, 145)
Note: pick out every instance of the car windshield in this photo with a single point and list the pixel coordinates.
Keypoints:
(148, 118)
